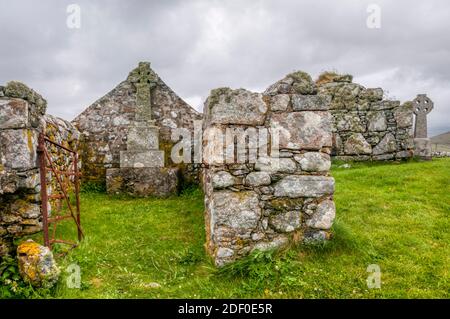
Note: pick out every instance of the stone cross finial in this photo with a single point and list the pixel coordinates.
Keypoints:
(422, 106)
(144, 84)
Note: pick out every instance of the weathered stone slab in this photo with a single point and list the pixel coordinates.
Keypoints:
(142, 138)
(324, 216)
(356, 144)
(239, 211)
(372, 95)
(149, 181)
(276, 165)
(303, 130)
(222, 179)
(349, 121)
(422, 148)
(13, 113)
(376, 121)
(258, 179)
(226, 106)
(310, 102)
(286, 222)
(404, 115)
(280, 102)
(304, 186)
(139, 159)
(387, 145)
(18, 149)
(314, 162)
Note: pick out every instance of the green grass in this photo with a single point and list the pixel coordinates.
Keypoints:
(393, 215)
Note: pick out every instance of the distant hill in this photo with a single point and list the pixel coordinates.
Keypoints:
(441, 142)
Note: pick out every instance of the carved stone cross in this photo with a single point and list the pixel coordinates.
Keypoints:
(144, 84)
(422, 106)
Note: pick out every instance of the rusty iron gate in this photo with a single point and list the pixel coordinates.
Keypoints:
(63, 180)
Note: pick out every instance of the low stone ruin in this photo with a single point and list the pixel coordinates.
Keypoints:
(365, 125)
(22, 118)
(266, 169)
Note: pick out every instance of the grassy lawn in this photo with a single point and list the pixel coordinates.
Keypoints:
(392, 215)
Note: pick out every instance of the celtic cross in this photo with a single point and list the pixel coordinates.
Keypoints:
(422, 106)
(144, 84)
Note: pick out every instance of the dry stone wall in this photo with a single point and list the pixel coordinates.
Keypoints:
(365, 125)
(22, 118)
(266, 169)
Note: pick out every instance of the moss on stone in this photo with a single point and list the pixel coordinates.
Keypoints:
(214, 96)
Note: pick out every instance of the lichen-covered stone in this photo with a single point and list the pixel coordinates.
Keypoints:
(19, 90)
(13, 114)
(226, 106)
(258, 179)
(148, 181)
(356, 144)
(18, 149)
(303, 130)
(280, 102)
(310, 102)
(376, 121)
(314, 162)
(403, 115)
(304, 186)
(222, 179)
(37, 265)
(324, 216)
(286, 222)
(372, 95)
(387, 145)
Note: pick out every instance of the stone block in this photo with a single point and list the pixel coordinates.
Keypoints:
(13, 114)
(258, 179)
(376, 121)
(387, 145)
(303, 130)
(222, 179)
(139, 159)
(422, 148)
(314, 162)
(310, 102)
(279, 102)
(356, 144)
(294, 186)
(149, 181)
(143, 138)
(286, 222)
(226, 106)
(18, 149)
(323, 217)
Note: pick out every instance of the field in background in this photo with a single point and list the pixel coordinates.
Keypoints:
(392, 215)
(441, 142)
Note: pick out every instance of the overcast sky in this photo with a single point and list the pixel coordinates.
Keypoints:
(196, 46)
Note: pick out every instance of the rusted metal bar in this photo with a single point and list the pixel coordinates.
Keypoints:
(77, 195)
(43, 177)
(59, 145)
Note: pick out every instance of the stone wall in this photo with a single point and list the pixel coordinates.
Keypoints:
(266, 199)
(106, 124)
(22, 118)
(365, 125)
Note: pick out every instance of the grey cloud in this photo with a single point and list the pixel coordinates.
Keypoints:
(198, 45)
